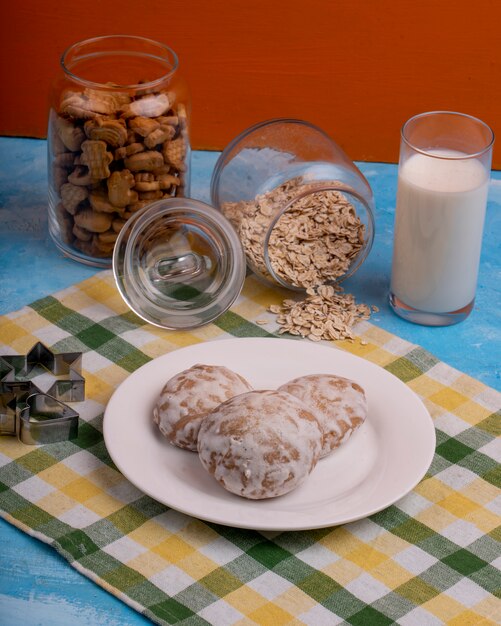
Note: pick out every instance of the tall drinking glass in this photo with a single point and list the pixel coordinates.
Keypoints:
(443, 179)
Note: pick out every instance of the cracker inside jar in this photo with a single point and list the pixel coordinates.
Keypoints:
(113, 154)
(314, 242)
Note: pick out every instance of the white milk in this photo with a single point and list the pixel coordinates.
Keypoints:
(438, 231)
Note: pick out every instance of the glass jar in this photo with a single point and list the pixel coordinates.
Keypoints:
(303, 211)
(118, 139)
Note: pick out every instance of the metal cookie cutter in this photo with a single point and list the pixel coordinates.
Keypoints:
(34, 416)
(14, 370)
(40, 418)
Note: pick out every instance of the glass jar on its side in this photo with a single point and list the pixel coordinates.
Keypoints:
(302, 209)
(118, 139)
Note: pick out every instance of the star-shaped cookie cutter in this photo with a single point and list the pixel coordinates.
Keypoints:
(34, 416)
(14, 370)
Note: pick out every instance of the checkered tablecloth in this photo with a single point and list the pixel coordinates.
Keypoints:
(432, 558)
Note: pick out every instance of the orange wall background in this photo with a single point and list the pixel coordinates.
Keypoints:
(358, 69)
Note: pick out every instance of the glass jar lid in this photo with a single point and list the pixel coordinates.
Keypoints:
(178, 263)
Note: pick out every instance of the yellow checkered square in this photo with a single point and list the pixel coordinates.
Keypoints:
(472, 412)
(483, 519)
(341, 541)
(470, 618)
(103, 504)
(379, 356)
(12, 447)
(367, 557)
(444, 607)
(81, 490)
(366, 350)
(196, 564)
(148, 563)
(245, 600)
(58, 475)
(149, 534)
(458, 505)
(436, 517)
(434, 490)
(391, 574)
(294, 601)
(480, 491)
(18, 339)
(342, 571)
(197, 534)
(100, 290)
(426, 387)
(173, 549)
(389, 544)
(270, 613)
(101, 387)
(262, 294)
(449, 399)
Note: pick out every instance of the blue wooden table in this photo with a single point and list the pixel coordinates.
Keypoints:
(38, 587)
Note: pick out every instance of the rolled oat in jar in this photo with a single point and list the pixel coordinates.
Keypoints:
(302, 210)
(314, 241)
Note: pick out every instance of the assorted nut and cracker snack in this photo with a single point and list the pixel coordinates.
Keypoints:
(112, 154)
(113, 148)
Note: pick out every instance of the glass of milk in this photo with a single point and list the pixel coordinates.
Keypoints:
(443, 179)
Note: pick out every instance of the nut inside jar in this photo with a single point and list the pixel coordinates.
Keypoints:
(109, 162)
(113, 148)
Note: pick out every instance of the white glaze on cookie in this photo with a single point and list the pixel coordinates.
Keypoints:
(260, 444)
(339, 404)
(186, 399)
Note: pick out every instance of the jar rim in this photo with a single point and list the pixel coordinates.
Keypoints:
(171, 56)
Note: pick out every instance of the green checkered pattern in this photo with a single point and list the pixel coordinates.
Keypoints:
(432, 558)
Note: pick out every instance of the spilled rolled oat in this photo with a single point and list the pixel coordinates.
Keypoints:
(327, 312)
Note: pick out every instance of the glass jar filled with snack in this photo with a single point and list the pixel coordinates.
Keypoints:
(118, 139)
(302, 209)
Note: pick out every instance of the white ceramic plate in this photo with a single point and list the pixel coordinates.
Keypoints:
(382, 461)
